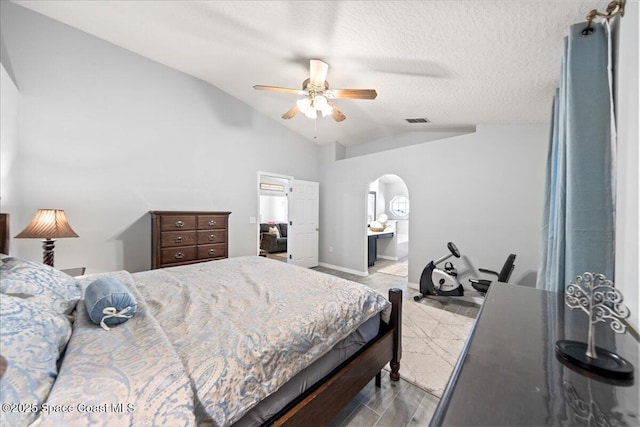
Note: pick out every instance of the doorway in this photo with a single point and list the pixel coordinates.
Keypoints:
(288, 219)
(388, 226)
(273, 216)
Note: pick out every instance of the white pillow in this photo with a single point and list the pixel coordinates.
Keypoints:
(274, 230)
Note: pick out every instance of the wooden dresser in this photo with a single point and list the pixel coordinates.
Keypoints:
(4, 234)
(179, 237)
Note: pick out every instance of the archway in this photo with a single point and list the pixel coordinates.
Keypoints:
(388, 224)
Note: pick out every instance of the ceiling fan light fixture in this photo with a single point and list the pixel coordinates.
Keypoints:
(311, 113)
(320, 102)
(326, 111)
(322, 105)
(303, 104)
(316, 95)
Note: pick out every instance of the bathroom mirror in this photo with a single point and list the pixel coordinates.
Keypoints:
(371, 214)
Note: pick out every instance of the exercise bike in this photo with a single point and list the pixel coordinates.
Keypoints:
(435, 281)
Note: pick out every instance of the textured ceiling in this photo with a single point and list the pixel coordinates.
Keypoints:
(458, 63)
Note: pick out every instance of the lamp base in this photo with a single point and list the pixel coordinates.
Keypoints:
(607, 364)
(47, 254)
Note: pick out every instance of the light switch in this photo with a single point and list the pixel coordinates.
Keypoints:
(252, 220)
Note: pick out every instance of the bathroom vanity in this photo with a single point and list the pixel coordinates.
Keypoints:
(373, 237)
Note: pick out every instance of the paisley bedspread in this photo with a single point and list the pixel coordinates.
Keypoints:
(209, 341)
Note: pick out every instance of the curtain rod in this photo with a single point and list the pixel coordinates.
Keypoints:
(614, 8)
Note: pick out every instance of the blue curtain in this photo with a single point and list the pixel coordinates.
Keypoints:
(578, 217)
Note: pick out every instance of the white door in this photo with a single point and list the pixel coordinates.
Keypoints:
(302, 235)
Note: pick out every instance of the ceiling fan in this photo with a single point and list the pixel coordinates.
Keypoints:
(317, 96)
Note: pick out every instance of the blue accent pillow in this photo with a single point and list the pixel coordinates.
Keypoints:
(109, 302)
(53, 288)
(32, 339)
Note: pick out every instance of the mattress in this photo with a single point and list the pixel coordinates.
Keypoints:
(217, 343)
(309, 376)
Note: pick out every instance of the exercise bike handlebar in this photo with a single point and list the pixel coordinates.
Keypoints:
(444, 258)
(454, 252)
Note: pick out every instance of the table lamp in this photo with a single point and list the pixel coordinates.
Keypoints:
(47, 224)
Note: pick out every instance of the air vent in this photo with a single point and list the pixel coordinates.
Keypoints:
(419, 120)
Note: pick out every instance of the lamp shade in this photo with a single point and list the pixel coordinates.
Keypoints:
(48, 224)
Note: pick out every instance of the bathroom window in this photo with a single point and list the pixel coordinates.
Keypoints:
(399, 206)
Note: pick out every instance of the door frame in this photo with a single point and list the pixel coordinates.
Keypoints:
(288, 185)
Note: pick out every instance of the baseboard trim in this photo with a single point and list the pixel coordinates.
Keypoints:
(412, 285)
(390, 258)
(344, 270)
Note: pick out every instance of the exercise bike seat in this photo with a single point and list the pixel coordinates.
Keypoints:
(482, 285)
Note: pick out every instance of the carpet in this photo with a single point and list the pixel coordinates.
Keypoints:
(398, 269)
(432, 340)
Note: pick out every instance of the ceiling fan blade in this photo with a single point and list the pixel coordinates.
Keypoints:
(280, 89)
(337, 115)
(317, 72)
(352, 93)
(292, 112)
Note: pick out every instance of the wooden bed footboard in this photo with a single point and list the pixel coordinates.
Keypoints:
(324, 402)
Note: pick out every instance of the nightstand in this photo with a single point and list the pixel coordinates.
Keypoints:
(78, 271)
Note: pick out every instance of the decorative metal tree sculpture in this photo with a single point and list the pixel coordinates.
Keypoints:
(598, 297)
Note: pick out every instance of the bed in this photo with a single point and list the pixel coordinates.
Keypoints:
(241, 341)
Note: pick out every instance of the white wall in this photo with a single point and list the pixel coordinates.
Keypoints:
(273, 208)
(627, 116)
(482, 191)
(9, 135)
(9, 120)
(401, 140)
(108, 135)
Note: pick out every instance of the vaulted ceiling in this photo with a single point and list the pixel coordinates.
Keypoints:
(456, 63)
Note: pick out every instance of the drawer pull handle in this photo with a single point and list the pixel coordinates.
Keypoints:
(212, 223)
(179, 224)
(179, 239)
(179, 255)
(212, 251)
(212, 237)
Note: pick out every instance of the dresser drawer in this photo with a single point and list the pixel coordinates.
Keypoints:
(173, 255)
(210, 237)
(188, 237)
(177, 238)
(177, 222)
(207, 222)
(212, 251)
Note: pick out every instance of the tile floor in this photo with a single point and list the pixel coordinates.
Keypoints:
(394, 404)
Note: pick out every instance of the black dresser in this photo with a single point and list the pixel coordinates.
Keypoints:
(508, 373)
